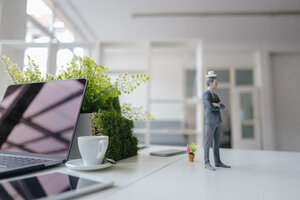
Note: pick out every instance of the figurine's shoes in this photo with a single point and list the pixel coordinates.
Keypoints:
(222, 165)
(209, 167)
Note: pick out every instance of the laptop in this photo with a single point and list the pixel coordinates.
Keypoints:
(37, 124)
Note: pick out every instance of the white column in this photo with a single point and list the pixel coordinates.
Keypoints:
(148, 106)
(97, 53)
(199, 75)
(266, 102)
(51, 62)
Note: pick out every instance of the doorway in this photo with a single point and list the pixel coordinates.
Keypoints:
(237, 91)
(224, 94)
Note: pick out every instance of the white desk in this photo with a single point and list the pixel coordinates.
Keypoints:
(254, 175)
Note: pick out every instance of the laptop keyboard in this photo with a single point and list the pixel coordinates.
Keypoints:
(15, 161)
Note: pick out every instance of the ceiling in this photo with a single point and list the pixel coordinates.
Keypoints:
(212, 21)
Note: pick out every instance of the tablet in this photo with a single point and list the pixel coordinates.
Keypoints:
(49, 186)
(166, 153)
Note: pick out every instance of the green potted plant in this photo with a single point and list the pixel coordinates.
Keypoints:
(101, 110)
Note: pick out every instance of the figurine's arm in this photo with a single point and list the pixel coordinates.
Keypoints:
(208, 103)
(220, 105)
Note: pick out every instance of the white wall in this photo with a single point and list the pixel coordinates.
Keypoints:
(167, 76)
(228, 58)
(168, 81)
(13, 20)
(12, 27)
(127, 59)
(286, 94)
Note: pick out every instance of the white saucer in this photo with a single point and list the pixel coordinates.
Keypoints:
(77, 164)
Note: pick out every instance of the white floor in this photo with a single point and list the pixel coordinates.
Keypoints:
(254, 175)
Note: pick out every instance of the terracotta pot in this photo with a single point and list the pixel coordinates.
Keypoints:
(191, 157)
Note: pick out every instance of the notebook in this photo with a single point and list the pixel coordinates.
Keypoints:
(37, 124)
(167, 153)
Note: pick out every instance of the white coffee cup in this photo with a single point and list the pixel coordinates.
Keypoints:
(92, 149)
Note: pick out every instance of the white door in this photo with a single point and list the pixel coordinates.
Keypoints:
(245, 121)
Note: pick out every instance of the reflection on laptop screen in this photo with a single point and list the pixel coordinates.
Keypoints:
(40, 117)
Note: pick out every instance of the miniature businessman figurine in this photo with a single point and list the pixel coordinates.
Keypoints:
(212, 121)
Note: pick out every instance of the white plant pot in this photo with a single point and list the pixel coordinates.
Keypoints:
(83, 129)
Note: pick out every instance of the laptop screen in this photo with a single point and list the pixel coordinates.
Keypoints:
(40, 117)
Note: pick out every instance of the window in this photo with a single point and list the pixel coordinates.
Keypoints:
(64, 56)
(246, 115)
(244, 77)
(247, 131)
(46, 22)
(35, 35)
(39, 55)
(246, 106)
(223, 76)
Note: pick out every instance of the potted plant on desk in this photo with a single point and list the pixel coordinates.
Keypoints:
(191, 149)
(101, 99)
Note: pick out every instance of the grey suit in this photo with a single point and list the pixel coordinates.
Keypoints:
(212, 123)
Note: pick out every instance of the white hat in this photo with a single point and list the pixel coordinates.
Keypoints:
(211, 74)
